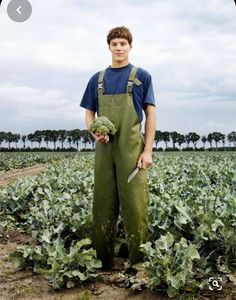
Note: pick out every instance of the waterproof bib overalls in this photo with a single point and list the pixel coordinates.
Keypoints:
(114, 162)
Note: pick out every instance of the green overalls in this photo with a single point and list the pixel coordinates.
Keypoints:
(114, 162)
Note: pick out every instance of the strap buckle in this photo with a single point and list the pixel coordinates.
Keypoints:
(100, 85)
(130, 83)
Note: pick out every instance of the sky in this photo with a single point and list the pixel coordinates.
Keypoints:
(188, 47)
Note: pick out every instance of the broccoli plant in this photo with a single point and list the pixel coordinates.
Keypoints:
(170, 263)
(103, 125)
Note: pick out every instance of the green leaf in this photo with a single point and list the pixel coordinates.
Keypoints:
(218, 223)
(165, 242)
(84, 242)
(46, 236)
(172, 292)
(81, 276)
(192, 252)
(182, 211)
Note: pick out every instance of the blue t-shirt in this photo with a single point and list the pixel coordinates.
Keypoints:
(115, 82)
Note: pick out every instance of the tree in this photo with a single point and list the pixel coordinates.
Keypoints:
(188, 139)
(223, 139)
(69, 137)
(216, 136)
(232, 138)
(174, 136)
(23, 138)
(158, 137)
(16, 138)
(38, 137)
(166, 137)
(9, 138)
(180, 140)
(62, 135)
(76, 135)
(53, 137)
(204, 139)
(2, 137)
(210, 139)
(30, 137)
(47, 136)
(85, 137)
(194, 139)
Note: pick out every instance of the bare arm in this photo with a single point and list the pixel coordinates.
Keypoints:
(145, 159)
(150, 128)
(89, 117)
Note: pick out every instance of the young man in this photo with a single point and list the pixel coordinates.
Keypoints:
(121, 93)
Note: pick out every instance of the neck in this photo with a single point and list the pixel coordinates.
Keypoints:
(117, 64)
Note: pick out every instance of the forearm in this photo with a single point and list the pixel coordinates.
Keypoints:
(145, 159)
(89, 117)
(150, 128)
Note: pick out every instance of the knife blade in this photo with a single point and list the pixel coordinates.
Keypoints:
(132, 175)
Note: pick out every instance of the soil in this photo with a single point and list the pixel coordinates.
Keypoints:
(17, 284)
(11, 176)
(24, 284)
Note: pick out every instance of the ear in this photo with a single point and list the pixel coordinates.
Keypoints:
(131, 46)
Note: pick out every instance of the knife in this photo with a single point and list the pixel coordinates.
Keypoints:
(131, 176)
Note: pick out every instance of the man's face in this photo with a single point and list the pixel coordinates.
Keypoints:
(120, 49)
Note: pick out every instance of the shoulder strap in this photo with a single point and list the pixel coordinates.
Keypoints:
(130, 82)
(100, 83)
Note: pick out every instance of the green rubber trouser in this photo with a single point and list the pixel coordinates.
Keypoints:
(114, 162)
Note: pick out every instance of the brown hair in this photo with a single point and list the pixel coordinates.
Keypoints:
(119, 32)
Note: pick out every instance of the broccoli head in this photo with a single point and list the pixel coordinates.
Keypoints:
(103, 125)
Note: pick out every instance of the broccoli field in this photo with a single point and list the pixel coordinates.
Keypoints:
(192, 221)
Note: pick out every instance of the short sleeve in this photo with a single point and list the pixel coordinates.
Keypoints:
(149, 98)
(90, 97)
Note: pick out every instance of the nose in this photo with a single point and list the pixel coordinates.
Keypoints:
(118, 46)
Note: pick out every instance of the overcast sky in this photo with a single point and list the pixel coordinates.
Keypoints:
(188, 46)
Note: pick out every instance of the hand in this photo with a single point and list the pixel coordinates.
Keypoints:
(145, 160)
(101, 138)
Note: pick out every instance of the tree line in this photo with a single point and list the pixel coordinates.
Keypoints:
(192, 137)
(74, 137)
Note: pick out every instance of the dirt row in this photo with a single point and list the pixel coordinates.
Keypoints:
(11, 176)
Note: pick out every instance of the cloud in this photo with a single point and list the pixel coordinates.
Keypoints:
(187, 47)
(22, 106)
